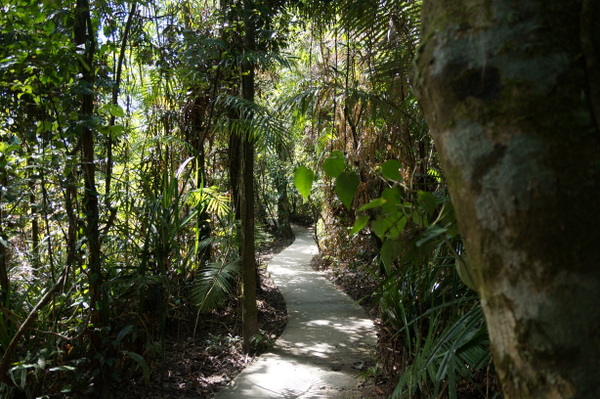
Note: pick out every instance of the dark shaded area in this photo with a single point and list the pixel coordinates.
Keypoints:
(481, 83)
(198, 367)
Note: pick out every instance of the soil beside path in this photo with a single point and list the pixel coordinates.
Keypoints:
(327, 342)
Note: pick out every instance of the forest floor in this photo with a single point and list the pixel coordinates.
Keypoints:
(198, 367)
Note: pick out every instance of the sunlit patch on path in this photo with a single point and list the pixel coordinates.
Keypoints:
(326, 337)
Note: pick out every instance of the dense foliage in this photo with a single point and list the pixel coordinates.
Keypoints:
(383, 204)
(122, 131)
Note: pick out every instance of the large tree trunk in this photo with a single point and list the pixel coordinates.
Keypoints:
(505, 91)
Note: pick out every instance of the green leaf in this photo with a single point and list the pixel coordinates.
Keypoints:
(359, 224)
(303, 180)
(377, 202)
(5, 147)
(143, 364)
(431, 233)
(427, 202)
(379, 226)
(335, 164)
(389, 226)
(391, 170)
(214, 285)
(397, 223)
(390, 251)
(436, 174)
(113, 110)
(393, 198)
(181, 168)
(464, 272)
(123, 333)
(116, 129)
(346, 186)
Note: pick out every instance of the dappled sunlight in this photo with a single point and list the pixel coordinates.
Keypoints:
(326, 334)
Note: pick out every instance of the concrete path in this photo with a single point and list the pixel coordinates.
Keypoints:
(327, 337)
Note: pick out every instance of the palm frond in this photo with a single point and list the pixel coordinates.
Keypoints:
(269, 131)
(463, 347)
(215, 284)
(212, 200)
(323, 13)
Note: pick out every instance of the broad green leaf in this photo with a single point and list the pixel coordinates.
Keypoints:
(116, 129)
(113, 110)
(303, 180)
(379, 226)
(377, 202)
(335, 164)
(393, 198)
(397, 224)
(346, 186)
(389, 226)
(391, 170)
(5, 147)
(427, 202)
(43, 126)
(359, 224)
(390, 251)
(214, 285)
(116, 110)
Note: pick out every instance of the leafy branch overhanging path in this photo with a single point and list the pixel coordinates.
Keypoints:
(326, 337)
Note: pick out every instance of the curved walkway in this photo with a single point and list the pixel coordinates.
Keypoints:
(326, 339)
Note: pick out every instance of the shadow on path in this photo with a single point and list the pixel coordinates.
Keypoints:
(326, 337)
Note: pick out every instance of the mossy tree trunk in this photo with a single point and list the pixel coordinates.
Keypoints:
(510, 104)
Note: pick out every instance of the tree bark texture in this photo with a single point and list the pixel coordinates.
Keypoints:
(248, 260)
(509, 99)
(85, 39)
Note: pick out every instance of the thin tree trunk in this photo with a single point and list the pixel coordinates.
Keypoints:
(235, 159)
(198, 136)
(248, 260)
(283, 204)
(85, 38)
(4, 282)
(35, 225)
(504, 88)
